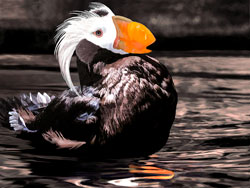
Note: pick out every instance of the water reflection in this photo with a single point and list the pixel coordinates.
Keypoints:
(155, 174)
(79, 182)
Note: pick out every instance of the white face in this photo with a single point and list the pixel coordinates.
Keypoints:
(102, 32)
(99, 30)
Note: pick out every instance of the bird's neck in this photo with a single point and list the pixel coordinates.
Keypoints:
(91, 59)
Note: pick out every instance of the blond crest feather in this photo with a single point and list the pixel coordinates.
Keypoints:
(69, 34)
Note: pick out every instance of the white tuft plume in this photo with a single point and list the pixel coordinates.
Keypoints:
(99, 6)
(70, 33)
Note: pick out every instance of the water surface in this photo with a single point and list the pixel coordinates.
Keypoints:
(208, 145)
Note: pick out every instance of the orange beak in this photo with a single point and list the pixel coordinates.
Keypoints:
(132, 37)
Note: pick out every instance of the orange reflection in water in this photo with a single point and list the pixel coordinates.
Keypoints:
(159, 173)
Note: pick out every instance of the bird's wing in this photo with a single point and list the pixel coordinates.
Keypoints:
(70, 120)
(134, 86)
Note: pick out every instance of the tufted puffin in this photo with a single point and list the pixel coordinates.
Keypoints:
(125, 104)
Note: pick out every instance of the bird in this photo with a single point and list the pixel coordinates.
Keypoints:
(125, 104)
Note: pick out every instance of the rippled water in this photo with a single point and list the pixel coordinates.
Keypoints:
(209, 145)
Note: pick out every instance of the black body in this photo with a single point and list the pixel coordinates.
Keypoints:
(126, 106)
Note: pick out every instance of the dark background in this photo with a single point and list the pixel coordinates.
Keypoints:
(28, 26)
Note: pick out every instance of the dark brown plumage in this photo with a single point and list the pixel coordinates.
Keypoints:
(137, 99)
(128, 104)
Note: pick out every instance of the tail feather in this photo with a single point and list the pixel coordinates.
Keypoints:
(7, 105)
(12, 110)
(17, 122)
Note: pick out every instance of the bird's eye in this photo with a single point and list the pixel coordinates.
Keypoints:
(98, 33)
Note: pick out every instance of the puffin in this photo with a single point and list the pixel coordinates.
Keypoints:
(125, 104)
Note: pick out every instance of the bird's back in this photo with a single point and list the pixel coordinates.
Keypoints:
(137, 104)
